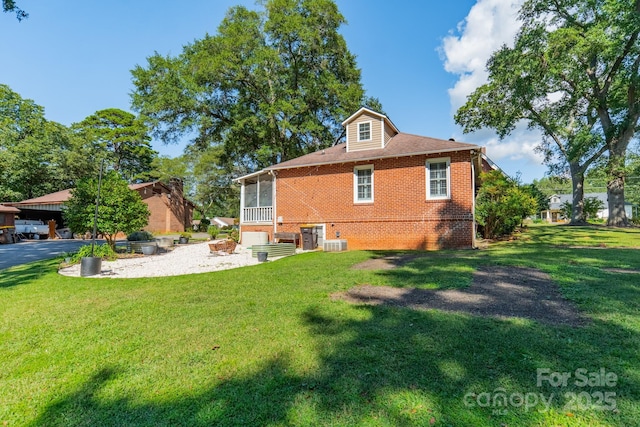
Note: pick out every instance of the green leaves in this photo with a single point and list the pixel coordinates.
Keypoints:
(269, 86)
(502, 204)
(119, 137)
(572, 73)
(120, 209)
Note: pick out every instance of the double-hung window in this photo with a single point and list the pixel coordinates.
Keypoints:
(438, 179)
(364, 131)
(363, 184)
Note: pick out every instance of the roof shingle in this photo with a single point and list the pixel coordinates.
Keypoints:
(401, 145)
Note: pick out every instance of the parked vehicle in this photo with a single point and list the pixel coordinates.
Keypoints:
(32, 228)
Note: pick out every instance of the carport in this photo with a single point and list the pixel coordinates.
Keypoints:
(45, 208)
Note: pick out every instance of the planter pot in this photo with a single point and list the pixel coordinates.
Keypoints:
(149, 249)
(137, 246)
(183, 240)
(90, 266)
(262, 256)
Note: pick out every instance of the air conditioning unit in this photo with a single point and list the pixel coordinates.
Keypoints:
(337, 245)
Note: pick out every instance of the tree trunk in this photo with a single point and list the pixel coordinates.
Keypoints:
(615, 191)
(615, 200)
(577, 183)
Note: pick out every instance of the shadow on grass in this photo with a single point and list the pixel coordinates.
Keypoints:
(25, 273)
(387, 366)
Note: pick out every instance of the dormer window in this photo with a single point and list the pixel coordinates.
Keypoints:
(364, 131)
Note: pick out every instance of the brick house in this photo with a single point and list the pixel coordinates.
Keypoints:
(170, 210)
(381, 189)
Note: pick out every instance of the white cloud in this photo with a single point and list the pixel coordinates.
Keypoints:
(489, 25)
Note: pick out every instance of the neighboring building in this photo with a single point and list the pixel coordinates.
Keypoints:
(170, 211)
(223, 221)
(382, 189)
(554, 213)
(7, 223)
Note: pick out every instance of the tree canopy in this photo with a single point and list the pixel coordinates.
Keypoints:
(31, 149)
(572, 73)
(12, 7)
(119, 137)
(269, 86)
(120, 209)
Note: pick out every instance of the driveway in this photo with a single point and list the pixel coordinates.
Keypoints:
(36, 250)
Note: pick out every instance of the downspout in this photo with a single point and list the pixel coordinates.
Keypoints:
(241, 222)
(474, 156)
(274, 214)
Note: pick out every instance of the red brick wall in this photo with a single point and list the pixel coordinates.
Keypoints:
(167, 215)
(400, 216)
(263, 227)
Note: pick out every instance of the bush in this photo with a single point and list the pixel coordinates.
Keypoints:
(234, 235)
(501, 205)
(138, 236)
(185, 234)
(213, 231)
(104, 251)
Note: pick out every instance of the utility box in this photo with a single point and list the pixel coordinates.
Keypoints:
(309, 238)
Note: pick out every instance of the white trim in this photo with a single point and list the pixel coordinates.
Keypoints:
(474, 225)
(251, 175)
(355, 183)
(446, 160)
(370, 112)
(369, 122)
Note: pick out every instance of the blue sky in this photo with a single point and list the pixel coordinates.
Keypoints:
(420, 58)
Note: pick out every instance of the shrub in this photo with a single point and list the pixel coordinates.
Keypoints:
(185, 234)
(501, 205)
(234, 235)
(138, 236)
(213, 231)
(104, 251)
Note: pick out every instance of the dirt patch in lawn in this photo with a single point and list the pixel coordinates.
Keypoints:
(622, 270)
(496, 291)
(386, 262)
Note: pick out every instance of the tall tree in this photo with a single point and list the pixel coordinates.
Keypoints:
(121, 137)
(30, 148)
(269, 86)
(573, 73)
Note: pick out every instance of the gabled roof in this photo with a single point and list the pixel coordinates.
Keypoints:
(60, 197)
(371, 113)
(8, 209)
(48, 199)
(401, 145)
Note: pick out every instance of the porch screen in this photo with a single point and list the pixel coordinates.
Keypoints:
(265, 191)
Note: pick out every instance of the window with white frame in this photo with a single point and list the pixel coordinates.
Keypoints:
(364, 131)
(363, 184)
(438, 178)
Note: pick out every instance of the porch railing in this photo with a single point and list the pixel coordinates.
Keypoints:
(261, 214)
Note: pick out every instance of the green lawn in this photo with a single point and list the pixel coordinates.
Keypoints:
(265, 345)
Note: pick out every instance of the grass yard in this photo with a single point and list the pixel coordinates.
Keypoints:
(266, 345)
